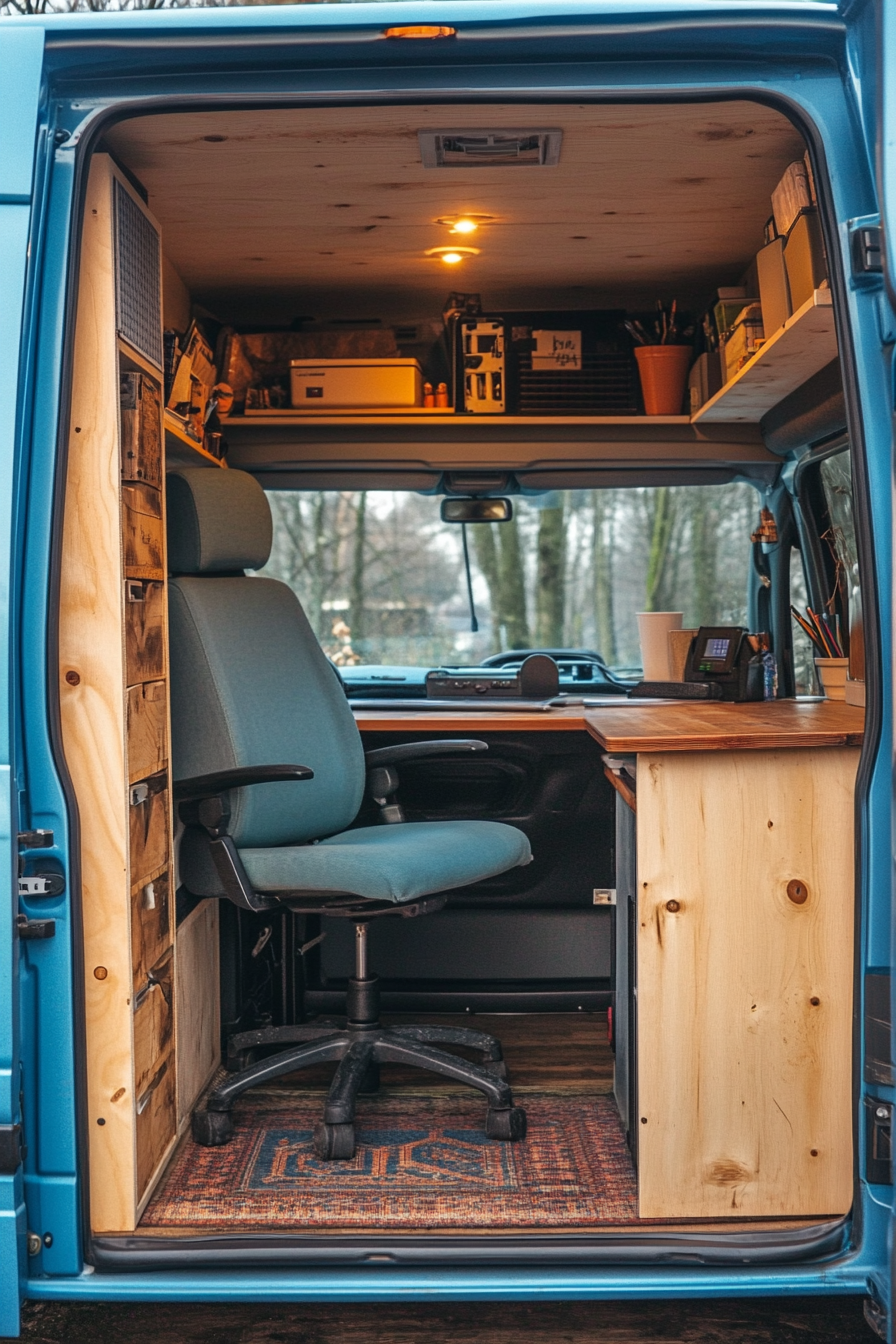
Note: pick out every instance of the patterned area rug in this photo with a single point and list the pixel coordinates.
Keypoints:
(422, 1163)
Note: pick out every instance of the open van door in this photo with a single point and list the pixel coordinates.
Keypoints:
(21, 58)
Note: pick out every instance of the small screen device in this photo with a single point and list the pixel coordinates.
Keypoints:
(723, 659)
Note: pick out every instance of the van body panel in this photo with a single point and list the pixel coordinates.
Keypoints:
(525, 52)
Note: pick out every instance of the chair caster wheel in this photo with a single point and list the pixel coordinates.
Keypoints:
(212, 1128)
(497, 1067)
(334, 1142)
(508, 1126)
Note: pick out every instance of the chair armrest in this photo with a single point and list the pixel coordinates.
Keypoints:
(206, 786)
(382, 777)
(412, 751)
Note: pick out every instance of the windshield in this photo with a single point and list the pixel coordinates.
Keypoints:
(382, 578)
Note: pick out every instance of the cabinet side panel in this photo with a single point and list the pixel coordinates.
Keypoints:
(744, 987)
(93, 715)
(198, 1004)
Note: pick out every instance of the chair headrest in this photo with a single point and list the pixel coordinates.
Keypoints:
(218, 521)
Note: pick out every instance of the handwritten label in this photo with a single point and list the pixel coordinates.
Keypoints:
(557, 350)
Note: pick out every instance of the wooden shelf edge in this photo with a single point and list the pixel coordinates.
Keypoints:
(821, 299)
(174, 431)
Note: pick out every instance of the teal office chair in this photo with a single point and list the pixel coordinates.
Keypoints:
(251, 694)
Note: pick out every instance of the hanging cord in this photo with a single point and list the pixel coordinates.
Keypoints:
(474, 624)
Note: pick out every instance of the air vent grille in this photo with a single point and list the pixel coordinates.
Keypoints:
(138, 274)
(490, 149)
(605, 385)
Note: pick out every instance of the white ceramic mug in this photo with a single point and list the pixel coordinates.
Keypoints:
(653, 631)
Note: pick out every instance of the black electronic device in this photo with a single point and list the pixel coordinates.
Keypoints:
(722, 656)
(537, 678)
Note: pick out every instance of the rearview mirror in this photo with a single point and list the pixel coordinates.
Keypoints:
(476, 510)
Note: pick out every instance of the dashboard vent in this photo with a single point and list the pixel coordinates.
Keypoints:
(490, 149)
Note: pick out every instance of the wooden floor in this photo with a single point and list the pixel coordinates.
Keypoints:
(827, 1320)
(545, 1053)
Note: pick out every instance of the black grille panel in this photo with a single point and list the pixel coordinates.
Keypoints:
(138, 274)
(605, 385)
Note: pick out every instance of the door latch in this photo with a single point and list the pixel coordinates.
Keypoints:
(866, 251)
(12, 1149)
(42, 884)
(878, 1141)
(35, 928)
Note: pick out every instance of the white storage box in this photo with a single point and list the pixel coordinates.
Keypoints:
(342, 384)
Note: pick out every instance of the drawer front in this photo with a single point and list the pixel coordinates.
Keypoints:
(156, 1122)
(150, 926)
(147, 730)
(141, 429)
(144, 624)
(142, 532)
(149, 827)
(153, 1024)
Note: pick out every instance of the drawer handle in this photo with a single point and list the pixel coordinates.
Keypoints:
(143, 1099)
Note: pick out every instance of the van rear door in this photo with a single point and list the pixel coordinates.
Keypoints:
(21, 59)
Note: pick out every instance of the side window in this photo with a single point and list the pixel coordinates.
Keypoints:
(840, 541)
(805, 681)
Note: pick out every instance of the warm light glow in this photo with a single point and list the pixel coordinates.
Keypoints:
(465, 226)
(452, 255)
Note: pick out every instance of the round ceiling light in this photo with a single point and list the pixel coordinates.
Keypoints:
(452, 255)
(464, 223)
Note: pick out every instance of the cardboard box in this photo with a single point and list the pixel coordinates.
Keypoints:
(704, 379)
(774, 287)
(342, 384)
(745, 339)
(804, 258)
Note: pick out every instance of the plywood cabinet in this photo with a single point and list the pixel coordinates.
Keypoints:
(744, 944)
(114, 708)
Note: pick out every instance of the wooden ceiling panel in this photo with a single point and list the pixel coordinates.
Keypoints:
(293, 209)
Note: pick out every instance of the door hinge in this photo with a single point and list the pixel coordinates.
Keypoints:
(604, 896)
(12, 1149)
(866, 251)
(36, 840)
(35, 928)
(42, 884)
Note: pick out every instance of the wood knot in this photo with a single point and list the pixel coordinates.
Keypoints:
(73, 679)
(797, 891)
(728, 1171)
(673, 907)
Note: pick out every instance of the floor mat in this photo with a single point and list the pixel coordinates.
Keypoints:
(421, 1163)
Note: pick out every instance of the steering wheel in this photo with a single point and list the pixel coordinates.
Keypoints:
(564, 655)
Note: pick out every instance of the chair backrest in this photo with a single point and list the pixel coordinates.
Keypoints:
(250, 684)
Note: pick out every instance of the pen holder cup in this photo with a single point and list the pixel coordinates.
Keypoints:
(831, 674)
(664, 372)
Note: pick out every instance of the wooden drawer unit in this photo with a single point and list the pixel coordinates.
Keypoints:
(151, 925)
(147, 730)
(142, 532)
(156, 1125)
(150, 830)
(141, 429)
(144, 630)
(153, 1024)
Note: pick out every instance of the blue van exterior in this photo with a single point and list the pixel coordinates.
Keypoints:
(62, 79)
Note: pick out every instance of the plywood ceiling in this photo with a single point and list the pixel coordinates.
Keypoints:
(329, 212)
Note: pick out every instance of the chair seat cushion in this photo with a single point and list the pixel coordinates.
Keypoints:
(391, 863)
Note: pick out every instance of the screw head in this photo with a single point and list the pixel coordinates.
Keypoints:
(882, 1112)
(48, 1239)
(34, 1243)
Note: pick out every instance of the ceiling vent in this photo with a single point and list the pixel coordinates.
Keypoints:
(490, 149)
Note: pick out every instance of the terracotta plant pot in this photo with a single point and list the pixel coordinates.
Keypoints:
(664, 372)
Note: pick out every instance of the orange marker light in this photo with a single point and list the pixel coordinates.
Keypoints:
(421, 30)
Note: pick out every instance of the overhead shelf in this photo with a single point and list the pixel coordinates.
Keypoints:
(806, 343)
(181, 448)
